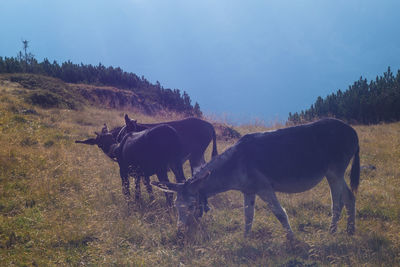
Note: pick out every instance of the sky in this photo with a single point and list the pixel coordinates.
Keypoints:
(242, 61)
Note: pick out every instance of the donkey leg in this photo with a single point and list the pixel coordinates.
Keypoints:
(125, 183)
(268, 195)
(249, 200)
(336, 183)
(178, 172)
(163, 177)
(196, 161)
(350, 203)
(148, 187)
(137, 188)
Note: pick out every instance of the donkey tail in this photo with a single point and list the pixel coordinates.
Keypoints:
(355, 172)
(214, 149)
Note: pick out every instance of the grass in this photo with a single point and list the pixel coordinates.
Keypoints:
(61, 203)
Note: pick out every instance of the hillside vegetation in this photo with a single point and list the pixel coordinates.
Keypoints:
(48, 92)
(98, 76)
(363, 102)
(61, 203)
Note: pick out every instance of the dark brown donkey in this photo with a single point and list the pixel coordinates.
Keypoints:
(142, 154)
(290, 160)
(195, 135)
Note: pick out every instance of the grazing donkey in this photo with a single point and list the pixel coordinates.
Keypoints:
(290, 160)
(143, 154)
(195, 135)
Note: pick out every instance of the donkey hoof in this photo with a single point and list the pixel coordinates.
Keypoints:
(290, 237)
(137, 197)
(351, 230)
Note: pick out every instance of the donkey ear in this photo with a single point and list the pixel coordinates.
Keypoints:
(130, 124)
(90, 141)
(127, 119)
(168, 187)
(104, 130)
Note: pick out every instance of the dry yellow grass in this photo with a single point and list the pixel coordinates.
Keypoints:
(61, 203)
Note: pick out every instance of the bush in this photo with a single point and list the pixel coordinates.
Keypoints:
(49, 143)
(45, 100)
(49, 100)
(28, 142)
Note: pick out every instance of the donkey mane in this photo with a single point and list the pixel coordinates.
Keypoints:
(215, 163)
(219, 160)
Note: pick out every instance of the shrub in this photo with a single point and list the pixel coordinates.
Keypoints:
(49, 143)
(28, 142)
(44, 100)
(19, 119)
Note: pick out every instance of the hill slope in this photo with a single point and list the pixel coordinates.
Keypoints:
(61, 203)
(173, 100)
(48, 92)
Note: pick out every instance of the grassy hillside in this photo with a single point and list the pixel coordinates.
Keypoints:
(61, 202)
(50, 92)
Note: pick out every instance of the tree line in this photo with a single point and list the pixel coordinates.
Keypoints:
(364, 102)
(101, 75)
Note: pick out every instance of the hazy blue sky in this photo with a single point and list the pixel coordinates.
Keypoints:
(246, 59)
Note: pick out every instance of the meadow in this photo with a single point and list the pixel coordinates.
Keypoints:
(61, 203)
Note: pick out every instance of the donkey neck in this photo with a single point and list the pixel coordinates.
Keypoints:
(141, 127)
(112, 150)
(219, 175)
(214, 185)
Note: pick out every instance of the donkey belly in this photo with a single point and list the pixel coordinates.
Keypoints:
(293, 169)
(296, 184)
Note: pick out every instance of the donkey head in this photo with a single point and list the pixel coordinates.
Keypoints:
(103, 140)
(189, 202)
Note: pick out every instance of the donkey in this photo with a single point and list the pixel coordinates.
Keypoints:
(289, 160)
(143, 154)
(195, 135)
